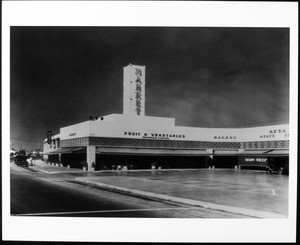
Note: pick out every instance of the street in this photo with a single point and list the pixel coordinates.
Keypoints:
(38, 194)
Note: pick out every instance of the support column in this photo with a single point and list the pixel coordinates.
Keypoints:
(210, 152)
(59, 159)
(237, 166)
(210, 162)
(90, 155)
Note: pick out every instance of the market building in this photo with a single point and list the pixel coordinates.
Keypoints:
(136, 141)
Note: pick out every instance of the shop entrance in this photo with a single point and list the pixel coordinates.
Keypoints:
(73, 159)
(225, 161)
(115, 161)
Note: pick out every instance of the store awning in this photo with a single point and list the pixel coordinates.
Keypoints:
(225, 152)
(253, 152)
(65, 150)
(279, 152)
(153, 152)
(196, 152)
(284, 152)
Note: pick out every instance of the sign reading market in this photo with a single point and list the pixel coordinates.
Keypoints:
(138, 90)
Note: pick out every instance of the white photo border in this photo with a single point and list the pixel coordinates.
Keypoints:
(149, 13)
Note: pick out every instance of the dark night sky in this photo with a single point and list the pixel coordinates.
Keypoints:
(203, 77)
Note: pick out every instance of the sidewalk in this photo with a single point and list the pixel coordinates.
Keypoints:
(41, 166)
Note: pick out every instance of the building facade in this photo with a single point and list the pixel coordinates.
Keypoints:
(134, 140)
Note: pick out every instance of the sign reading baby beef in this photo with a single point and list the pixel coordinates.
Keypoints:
(249, 161)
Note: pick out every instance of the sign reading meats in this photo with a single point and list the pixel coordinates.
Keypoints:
(274, 132)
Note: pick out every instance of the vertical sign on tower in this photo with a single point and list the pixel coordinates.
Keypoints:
(138, 90)
(134, 90)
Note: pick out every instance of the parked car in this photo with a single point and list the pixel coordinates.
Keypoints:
(278, 168)
(21, 160)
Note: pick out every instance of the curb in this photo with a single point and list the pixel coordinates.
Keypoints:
(40, 170)
(55, 172)
(132, 170)
(228, 209)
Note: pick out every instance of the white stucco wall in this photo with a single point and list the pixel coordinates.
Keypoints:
(75, 131)
(130, 126)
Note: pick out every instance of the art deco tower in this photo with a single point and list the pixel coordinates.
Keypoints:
(134, 90)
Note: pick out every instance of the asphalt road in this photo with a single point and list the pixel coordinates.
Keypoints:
(37, 194)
